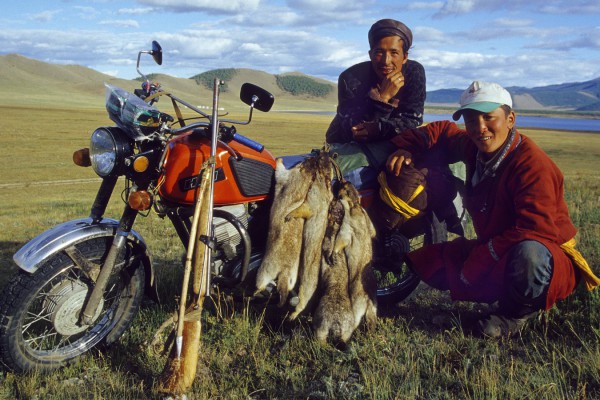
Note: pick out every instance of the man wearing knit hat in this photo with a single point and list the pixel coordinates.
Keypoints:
(377, 99)
(524, 258)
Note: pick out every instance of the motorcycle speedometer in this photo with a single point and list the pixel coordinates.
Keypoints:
(108, 150)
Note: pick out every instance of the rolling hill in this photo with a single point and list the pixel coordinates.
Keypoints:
(578, 96)
(30, 82)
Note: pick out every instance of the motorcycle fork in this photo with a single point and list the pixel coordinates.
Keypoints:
(119, 242)
(102, 198)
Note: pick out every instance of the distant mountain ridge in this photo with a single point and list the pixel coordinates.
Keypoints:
(28, 81)
(576, 96)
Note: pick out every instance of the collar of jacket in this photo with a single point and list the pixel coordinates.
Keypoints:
(488, 168)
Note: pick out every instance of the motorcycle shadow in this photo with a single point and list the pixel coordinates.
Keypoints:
(9, 268)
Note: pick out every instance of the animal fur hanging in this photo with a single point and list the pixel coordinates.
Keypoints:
(314, 210)
(284, 245)
(320, 244)
(333, 318)
(355, 240)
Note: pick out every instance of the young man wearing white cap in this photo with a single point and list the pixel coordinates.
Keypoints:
(524, 256)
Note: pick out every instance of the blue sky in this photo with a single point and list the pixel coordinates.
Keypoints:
(513, 42)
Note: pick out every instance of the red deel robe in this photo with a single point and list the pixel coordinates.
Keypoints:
(523, 201)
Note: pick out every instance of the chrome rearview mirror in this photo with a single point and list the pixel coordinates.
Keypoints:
(156, 54)
(255, 97)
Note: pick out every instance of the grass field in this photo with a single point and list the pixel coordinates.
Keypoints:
(418, 351)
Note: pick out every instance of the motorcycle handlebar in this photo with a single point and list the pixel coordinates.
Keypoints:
(254, 145)
(248, 142)
(188, 128)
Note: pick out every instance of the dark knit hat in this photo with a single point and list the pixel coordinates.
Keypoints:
(390, 27)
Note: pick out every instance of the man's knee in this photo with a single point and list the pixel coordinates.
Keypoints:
(529, 269)
(532, 257)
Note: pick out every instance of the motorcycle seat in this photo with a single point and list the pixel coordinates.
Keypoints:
(362, 178)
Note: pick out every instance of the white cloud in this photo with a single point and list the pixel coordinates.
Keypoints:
(121, 61)
(317, 6)
(446, 69)
(135, 11)
(564, 7)
(589, 39)
(513, 22)
(269, 17)
(570, 7)
(210, 6)
(427, 34)
(199, 44)
(44, 16)
(315, 38)
(84, 47)
(123, 23)
(331, 12)
(345, 57)
(252, 47)
(452, 7)
(87, 13)
(424, 5)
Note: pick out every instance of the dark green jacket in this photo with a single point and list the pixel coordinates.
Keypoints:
(355, 105)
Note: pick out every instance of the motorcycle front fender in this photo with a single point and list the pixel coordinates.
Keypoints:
(39, 249)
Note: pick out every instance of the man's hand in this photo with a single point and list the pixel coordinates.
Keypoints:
(365, 131)
(391, 85)
(397, 159)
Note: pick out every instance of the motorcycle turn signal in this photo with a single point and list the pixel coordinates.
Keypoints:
(140, 164)
(140, 200)
(82, 158)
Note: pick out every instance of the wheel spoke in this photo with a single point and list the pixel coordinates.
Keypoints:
(38, 330)
(45, 321)
(43, 341)
(35, 318)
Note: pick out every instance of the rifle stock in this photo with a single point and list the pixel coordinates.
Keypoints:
(180, 370)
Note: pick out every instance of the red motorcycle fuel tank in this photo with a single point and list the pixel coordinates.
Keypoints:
(249, 177)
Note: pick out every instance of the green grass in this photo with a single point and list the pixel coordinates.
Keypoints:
(417, 351)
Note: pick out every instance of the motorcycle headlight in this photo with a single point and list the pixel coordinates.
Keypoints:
(108, 149)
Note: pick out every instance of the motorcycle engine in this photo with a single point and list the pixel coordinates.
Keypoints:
(227, 237)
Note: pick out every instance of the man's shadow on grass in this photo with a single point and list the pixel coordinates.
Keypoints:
(432, 311)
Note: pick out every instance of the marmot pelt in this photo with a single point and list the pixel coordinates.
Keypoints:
(355, 241)
(314, 210)
(333, 317)
(284, 239)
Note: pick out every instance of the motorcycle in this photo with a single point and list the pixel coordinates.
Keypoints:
(81, 283)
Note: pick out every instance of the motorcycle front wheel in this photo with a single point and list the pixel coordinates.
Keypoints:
(39, 312)
(395, 277)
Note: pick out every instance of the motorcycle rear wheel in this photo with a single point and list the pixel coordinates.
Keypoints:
(395, 284)
(39, 312)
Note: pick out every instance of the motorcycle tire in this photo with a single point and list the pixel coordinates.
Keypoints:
(397, 281)
(39, 312)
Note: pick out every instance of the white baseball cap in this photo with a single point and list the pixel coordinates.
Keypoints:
(484, 97)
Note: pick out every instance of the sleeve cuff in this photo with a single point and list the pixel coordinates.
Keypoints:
(492, 251)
